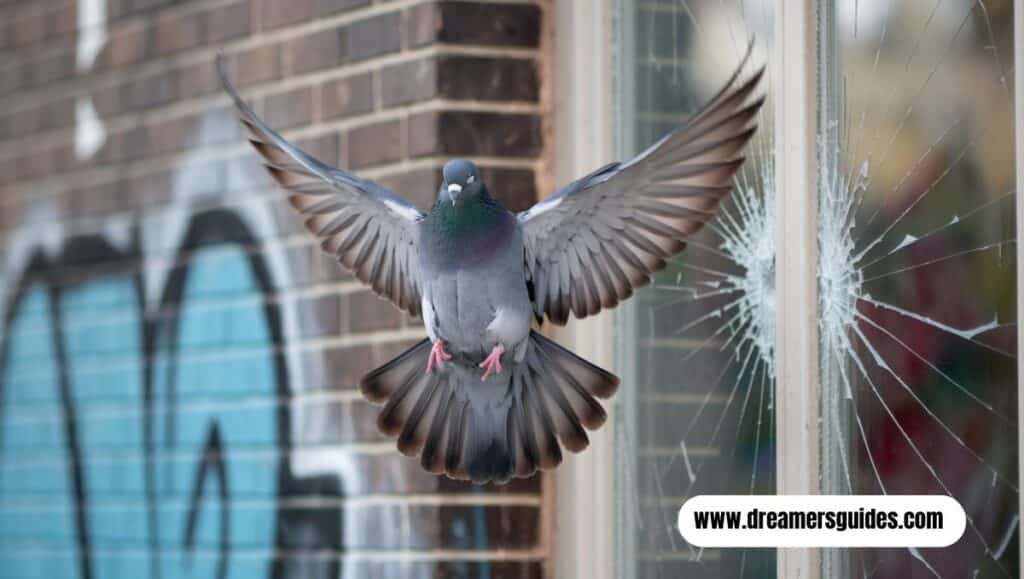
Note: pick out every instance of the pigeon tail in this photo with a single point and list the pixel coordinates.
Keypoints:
(509, 426)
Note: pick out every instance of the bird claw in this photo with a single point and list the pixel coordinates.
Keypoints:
(492, 363)
(437, 356)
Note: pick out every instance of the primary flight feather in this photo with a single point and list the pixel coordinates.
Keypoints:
(485, 397)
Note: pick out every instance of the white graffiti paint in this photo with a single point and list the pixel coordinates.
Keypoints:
(90, 132)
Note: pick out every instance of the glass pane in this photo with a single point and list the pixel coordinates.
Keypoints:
(696, 346)
(917, 276)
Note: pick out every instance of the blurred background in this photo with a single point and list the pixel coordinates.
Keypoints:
(178, 360)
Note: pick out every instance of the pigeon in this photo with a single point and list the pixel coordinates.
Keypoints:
(485, 396)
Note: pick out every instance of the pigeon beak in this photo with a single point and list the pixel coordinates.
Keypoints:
(453, 191)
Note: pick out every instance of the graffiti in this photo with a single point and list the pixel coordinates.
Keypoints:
(164, 412)
(157, 455)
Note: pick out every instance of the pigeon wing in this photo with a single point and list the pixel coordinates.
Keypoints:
(368, 228)
(590, 244)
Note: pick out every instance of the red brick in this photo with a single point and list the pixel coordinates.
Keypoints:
(375, 144)
(422, 24)
(63, 157)
(453, 133)
(110, 99)
(229, 22)
(488, 79)
(59, 113)
(419, 186)
(346, 97)
(197, 80)
(343, 367)
(372, 37)
(321, 316)
(324, 147)
(278, 13)
(325, 268)
(11, 79)
(311, 52)
(422, 134)
(367, 313)
(33, 166)
(175, 32)
(408, 82)
(27, 121)
(342, 422)
(516, 189)
(489, 24)
(127, 45)
(327, 7)
(289, 109)
(255, 65)
(147, 5)
(63, 20)
(170, 135)
(52, 67)
(117, 9)
(152, 90)
(29, 27)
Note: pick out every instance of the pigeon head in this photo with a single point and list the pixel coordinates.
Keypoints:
(461, 181)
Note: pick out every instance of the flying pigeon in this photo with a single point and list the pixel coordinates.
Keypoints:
(486, 397)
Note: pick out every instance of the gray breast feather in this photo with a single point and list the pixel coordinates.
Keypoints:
(465, 299)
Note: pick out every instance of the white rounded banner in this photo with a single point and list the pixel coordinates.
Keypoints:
(822, 521)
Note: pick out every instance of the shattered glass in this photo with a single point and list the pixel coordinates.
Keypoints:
(696, 347)
(916, 271)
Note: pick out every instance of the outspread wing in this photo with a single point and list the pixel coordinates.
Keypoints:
(591, 243)
(368, 228)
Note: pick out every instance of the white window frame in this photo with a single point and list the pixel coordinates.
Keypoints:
(796, 345)
(1018, 55)
(582, 113)
(583, 126)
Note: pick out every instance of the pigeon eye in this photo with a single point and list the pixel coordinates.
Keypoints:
(471, 179)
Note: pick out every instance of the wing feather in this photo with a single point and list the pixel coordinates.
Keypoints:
(367, 228)
(593, 242)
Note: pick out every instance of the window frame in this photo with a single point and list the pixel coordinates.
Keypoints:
(582, 115)
(585, 130)
(796, 345)
(1018, 80)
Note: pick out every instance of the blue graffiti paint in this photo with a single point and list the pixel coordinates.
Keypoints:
(37, 528)
(146, 440)
(148, 437)
(102, 329)
(220, 312)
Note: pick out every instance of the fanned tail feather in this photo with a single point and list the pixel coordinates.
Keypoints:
(512, 425)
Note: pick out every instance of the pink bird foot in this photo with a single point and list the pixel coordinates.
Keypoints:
(492, 363)
(437, 356)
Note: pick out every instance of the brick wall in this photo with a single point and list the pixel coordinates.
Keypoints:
(177, 359)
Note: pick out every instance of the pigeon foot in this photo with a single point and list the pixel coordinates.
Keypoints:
(492, 364)
(437, 356)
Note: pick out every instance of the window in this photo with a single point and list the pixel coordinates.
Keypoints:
(917, 272)
(914, 276)
(695, 347)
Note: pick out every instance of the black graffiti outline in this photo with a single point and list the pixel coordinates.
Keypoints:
(215, 227)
